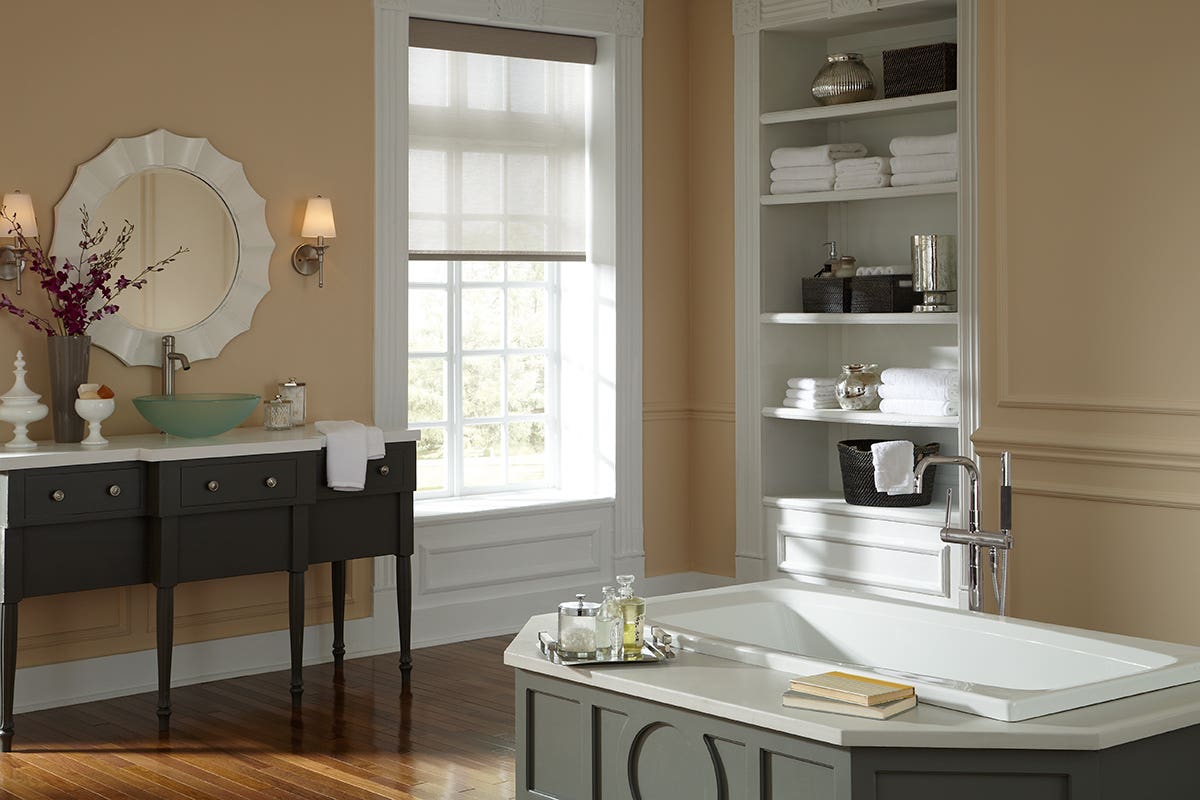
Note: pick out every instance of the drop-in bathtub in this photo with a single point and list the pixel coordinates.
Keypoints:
(1005, 669)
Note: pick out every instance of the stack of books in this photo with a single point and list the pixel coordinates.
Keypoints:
(842, 693)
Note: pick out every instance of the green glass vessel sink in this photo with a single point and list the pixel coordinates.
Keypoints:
(196, 415)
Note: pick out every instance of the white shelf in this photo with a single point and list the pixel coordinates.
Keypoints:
(831, 503)
(796, 318)
(860, 417)
(848, 195)
(937, 101)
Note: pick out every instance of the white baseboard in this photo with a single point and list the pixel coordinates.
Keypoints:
(89, 679)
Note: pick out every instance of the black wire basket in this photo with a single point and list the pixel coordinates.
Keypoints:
(920, 70)
(858, 475)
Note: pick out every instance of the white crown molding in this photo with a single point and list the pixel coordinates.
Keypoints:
(391, 5)
(746, 16)
(629, 18)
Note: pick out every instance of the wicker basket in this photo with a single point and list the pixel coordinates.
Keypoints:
(858, 475)
(826, 295)
(920, 70)
(881, 294)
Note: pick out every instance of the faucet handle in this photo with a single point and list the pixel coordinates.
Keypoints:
(949, 505)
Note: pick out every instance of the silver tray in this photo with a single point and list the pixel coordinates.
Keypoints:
(656, 649)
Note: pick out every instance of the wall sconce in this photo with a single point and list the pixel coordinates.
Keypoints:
(19, 208)
(318, 224)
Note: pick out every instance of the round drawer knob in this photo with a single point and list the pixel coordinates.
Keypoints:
(272, 483)
(58, 495)
(213, 486)
(385, 470)
(114, 491)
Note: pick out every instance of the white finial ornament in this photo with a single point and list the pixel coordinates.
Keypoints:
(21, 406)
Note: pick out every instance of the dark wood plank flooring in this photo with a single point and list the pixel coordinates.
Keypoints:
(357, 735)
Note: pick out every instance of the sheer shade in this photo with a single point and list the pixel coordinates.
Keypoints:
(497, 158)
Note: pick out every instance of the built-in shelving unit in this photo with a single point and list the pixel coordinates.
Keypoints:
(791, 508)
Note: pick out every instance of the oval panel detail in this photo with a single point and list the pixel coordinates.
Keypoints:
(663, 762)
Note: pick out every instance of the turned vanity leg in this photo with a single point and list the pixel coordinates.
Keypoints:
(404, 609)
(166, 642)
(339, 611)
(8, 673)
(296, 629)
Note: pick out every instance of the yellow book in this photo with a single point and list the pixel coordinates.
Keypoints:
(881, 711)
(852, 688)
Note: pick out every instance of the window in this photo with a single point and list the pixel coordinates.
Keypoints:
(497, 213)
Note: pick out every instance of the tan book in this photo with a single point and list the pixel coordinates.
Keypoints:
(852, 688)
(881, 711)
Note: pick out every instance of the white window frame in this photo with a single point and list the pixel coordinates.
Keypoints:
(616, 148)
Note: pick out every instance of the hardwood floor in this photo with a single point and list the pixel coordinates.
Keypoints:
(355, 736)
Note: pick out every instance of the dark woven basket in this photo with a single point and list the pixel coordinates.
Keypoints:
(878, 294)
(858, 475)
(826, 295)
(920, 70)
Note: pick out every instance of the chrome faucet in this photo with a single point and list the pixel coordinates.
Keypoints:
(973, 536)
(168, 369)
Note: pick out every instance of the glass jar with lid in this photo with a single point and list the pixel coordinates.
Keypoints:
(297, 392)
(277, 414)
(577, 629)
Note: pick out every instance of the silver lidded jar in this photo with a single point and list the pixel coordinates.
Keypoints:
(296, 391)
(577, 629)
(844, 79)
(858, 387)
(277, 414)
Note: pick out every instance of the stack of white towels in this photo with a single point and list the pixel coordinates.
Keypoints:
(895, 269)
(919, 160)
(872, 172)
(920, 392)
(810, 393)
(810, 169)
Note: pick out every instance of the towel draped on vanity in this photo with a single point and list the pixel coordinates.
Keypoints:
(348, 447)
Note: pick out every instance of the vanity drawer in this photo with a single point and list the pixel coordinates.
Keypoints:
(58, 495)
(217, 484)
(396, 472)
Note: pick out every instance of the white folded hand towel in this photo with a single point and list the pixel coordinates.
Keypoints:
(862, 180)
(346, 450)
(803, 173)
(809, 404)
(922, 178)
(919, 377)
(870, 164)
(944, 393)
(811, 383)
(815, 156)
(920, 408)
(376, 447)
(933, 163)
(824, 393)
(895, 269)
(893, 462)
(924, 145)
(797, 187)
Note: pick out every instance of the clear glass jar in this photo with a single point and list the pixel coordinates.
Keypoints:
(296, 391)
(277, 414)
(633, 618)
(609, 626)
(577, 629)
(858, 387)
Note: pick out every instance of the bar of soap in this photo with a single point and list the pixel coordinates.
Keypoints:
(105, 393)
(88, 391)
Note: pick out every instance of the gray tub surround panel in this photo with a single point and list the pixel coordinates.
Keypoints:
(703, 727)
(160, 510)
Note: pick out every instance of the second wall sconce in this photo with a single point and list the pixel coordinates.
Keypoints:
(318, 224)
(19, 208)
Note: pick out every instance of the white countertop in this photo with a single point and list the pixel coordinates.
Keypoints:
(162, 447)
(750, 694)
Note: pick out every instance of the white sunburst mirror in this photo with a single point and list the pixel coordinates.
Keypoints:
(176, 191)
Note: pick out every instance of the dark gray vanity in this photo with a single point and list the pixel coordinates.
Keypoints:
(167, 515)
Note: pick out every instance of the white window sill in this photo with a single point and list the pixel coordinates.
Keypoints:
(502, 504)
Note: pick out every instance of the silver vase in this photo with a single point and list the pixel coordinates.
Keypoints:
(844, 79)
(69, 356)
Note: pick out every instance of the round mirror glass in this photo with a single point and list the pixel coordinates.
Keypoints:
(170, 208)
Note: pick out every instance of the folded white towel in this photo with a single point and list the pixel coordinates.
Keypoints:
(924, 145)
(824, 393)
(815, 156)
(922, 178)
(376, 447)
(811, 383)
(803, 173)
(895, 269)
(870, 164)
(944, 393)
(922, 378)
(933, 163)
(797, 187)
(893, 462)
(862, 180)
(346, 450)
(811, 405)
(921, 408)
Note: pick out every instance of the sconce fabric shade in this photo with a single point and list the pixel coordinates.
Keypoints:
(318, 219)
(19, 206)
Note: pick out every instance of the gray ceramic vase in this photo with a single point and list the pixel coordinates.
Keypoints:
(69, 357)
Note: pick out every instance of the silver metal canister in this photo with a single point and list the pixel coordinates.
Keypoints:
(935, 271)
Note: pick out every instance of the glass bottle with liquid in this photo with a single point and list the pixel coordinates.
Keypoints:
(633, 615)
(609, 626)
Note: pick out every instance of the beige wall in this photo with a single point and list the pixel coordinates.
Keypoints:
(1089, 193)
(688, 281)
